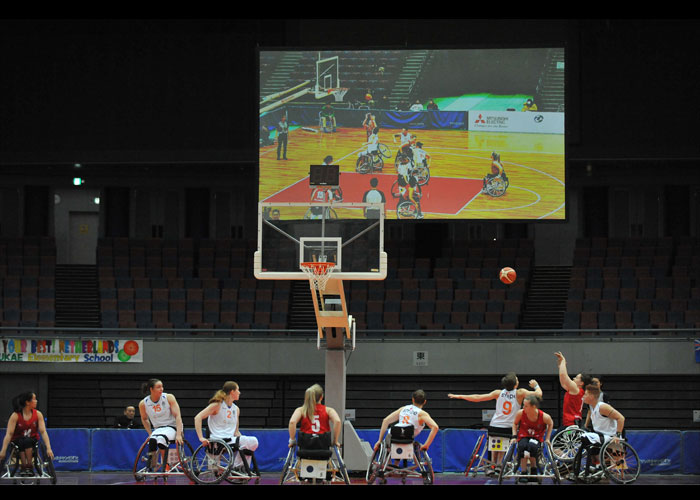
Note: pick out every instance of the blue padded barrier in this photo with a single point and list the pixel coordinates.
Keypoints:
(661, 452)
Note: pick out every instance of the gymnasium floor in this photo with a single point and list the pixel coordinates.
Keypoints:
(272, 479)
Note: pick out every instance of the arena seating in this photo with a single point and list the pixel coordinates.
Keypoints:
(625, 284)
(27, 282)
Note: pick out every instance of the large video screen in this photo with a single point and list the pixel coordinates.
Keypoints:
(435, 134)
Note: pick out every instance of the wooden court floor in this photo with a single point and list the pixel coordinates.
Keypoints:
(534, 164)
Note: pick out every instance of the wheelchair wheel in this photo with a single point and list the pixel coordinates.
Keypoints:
(12, 462)
(147, 462)
(244, 472)
(363, 165)
(288, 464)
(384, 150)
(374, 468)
(584, 469)
(474, 456)
(565, 445)
(550, 464)
(620, 462)
(211, 464)
(426, 467)
(422, 174)
(407, 210)
(496, 187)
(402, 159)
(508, 465)
(341, 466)
(44, 464)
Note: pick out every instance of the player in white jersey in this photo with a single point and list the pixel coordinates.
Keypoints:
(223, 416)
(607, 422)
(160, 416)
(414, 415)
(509, 400)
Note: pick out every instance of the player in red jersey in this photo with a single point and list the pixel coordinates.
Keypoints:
(532, 427)
(24, 427)
(314, 417)
(573, 399)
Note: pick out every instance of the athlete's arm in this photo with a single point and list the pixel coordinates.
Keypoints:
(11, 424)
(205, 413)
(336, 423)
(388, 420)
(566, 382)
(293, 421)
(175, 411)
(428, 420)
(476, 398)
(44, 435)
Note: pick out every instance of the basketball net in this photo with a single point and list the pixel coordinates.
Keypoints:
(318, 273)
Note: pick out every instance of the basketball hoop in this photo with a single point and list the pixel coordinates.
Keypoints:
(318, 273)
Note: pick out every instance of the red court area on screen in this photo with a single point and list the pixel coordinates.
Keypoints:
(442, 195)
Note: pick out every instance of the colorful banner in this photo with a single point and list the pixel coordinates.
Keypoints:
(45, 350)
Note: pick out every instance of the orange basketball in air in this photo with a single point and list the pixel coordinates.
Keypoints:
(507, 275)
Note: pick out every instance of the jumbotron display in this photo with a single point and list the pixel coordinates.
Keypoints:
(435, 134)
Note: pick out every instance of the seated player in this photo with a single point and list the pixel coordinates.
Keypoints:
(223, 417)
(420, 157)
(405, 140)
(410, 191)
(314, 417)
(497, 170)
(24, 427)
(372, 150)
(533, 427)
(509, 400)
(411, 415)
(608, 423)
(163, 411)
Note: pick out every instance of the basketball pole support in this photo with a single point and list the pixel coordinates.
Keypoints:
(337, 327)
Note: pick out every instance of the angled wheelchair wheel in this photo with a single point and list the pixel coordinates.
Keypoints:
(407, 210)
(508, 464)
(422, 174)
(474, 458)
(244, 472)
(363, 165)
(402, 159)
(211, 464)
(375, 465)
(147, 463)
(620, 462)
(426, 467)
(384, 150)
(44, 464)
(565, 445)
(550, 464)
(341, 470)
(585, 470)
(11, 465)
(496, 187)
(287, 469)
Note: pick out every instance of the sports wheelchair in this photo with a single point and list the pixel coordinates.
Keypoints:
(155, 465)
(546, 465)
(42, 466)
(496, 186)
(479, 461)
(372, 162)
(616, 460)
(215, 462)
(313, 459)
(392, 457)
